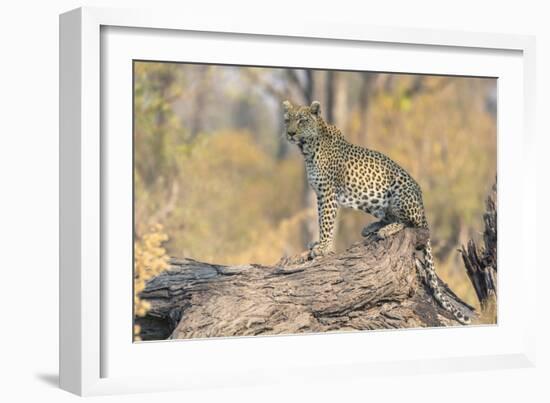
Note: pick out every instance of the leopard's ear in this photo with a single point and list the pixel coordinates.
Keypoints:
(315, 108)
(287, 105)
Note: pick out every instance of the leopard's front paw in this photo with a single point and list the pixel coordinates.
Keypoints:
(293, 260)
(317, 249)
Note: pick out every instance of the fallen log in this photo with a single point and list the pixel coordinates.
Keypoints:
(373, 285)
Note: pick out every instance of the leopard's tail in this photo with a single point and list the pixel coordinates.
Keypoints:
(438, 295)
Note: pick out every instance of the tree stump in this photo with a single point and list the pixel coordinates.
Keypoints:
(481, 263)
(374, 284)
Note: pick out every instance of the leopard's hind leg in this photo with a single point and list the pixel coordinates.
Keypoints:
(373, 227)
(390, 229)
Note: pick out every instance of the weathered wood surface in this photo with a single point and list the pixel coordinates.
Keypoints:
(481, 262)
(372, 285)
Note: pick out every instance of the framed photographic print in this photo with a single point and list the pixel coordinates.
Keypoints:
(250, 200)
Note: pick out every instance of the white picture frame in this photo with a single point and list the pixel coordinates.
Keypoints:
(96, 355)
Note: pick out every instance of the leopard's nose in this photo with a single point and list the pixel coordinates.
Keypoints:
(291, 133)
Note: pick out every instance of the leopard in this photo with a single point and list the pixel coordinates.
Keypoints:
(343, 174)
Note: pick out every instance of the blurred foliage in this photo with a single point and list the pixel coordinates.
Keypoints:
(211, 166)
(150, 259)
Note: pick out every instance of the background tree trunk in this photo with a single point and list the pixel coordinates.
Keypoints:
(372, 285)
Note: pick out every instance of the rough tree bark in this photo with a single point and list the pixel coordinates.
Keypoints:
(374, 284)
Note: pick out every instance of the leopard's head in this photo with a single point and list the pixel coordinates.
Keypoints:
(302, 122)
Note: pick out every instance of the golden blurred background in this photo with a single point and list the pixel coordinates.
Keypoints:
(214, 180)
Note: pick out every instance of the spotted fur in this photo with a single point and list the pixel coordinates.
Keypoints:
(346, 175)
